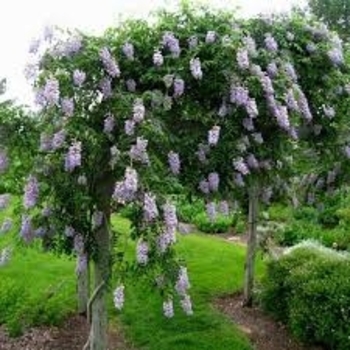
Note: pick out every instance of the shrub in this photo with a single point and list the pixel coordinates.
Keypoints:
(308, 289)
(221, 224)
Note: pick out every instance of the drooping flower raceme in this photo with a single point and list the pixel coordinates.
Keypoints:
(213, 180)
(6, 226)
(139, 111)
(142, 250)
(196, 68)
(172, 43)
(79, 77)
(108, 123)
(131, 85)
(174, 162)
(31, 192)
(270, 43)
(242, 58)
(211, 211)
(106, 87)
(129, 127)
(182, 283)
(128, 51)
(186, 305)
(73, 157)
(118, 297)
(179, 87)
(213, 135)
(4, 200)
(109, 63)
(168, 308)
(224, 208)
(67, 105)
(150, 209)
(138, 151)
(241, 166)
(210, 37)
(3, 161)
(58, 139)
(204, 186)
(26, 231)
(51, 92)
(158, 58)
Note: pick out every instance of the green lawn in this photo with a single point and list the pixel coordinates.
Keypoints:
(39, 288)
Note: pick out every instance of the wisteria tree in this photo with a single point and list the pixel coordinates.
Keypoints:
(215, 103)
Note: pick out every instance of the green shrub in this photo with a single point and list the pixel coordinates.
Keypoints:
(187, 212)
(308, 289)
(221, 224)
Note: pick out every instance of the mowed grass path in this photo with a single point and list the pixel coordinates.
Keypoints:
(37, 288)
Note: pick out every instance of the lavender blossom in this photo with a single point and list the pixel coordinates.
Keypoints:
(128, 51)
(51, 92)
(252, 162)
(70, 47)
(179, 87)
(281, 114)
(210, 37)
(26, 229)
(4, 200)
(172, 44)
(193, 42)
(186, 305)
(224, 208)
(196, 69)
(138, 152)
(214, 135)
(69, 231)
(125, 190)
(31, 192)
(139, 111)
(336, 56)
(238, 180)
(109, 63)
(290, 100)
(239, 95)
(129, 127)
(158, 58)
(105, 86)
(182, 283)
(131, 85)
(79, 77)
(174, 162)
(118, 297)
(6, 226)
(58, 139)
(73, 157)
(270, 43)
(168, 308)
(242, 59)
(3, 161)
(150, 209)
(250, 45)
(248, 124)
(289, 69)
(142, 250)
(241, 166)
(252, 108)
(213, 181)
(108, 123)
(267, 85)
(303, 103)
(272, 69)
(204, 186)
(67, 105)
(211, 211)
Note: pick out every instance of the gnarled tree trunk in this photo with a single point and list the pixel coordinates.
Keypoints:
(251, 247)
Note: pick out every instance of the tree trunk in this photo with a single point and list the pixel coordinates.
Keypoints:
(101, 259)
(83, 290)
(251, 247)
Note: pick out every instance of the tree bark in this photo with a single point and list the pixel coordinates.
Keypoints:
(83, 290)
(251, 248)
(99, 318)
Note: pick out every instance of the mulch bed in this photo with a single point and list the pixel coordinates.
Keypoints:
(262, 330)
(71, 336)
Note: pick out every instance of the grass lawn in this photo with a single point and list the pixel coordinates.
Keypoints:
(38, 288)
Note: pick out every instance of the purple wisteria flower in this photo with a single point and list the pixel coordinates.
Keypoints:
(182, 283)
(125, 190)
(138, 151)
(270, 43)
(109, 64)
(242, 59)
(67, 105)
(204, 186)
(128, 51)
(186, 305)
(51, 92)
(214, 135)
(224, 208)
(138, 110)
(252, 108)
(290, 71)
(70, 47)
(131, 85)
(211, 211)
(210, 37)
(202, 153)
(336, 56)
(158, 58)
(174, 162)
(69, 231)
(238, 180)
(3, 161)
(213, 181)
(252, 162)
(239, 95)
(6, 226)
(248, 124)
(79, 77)
(105, 86)
(31, 192)
(118, 297)
(179, 87)
(196, 68)
(193, 42)
(170, 217)
(150, 209)
(168, 308)
(58, 139)
(4, 200)
(73, 157)
(290, 100)
(142, 250)
(108, 123)
(26, 231)
(302, 103)
(240, 165)
(272, 69)
(129, 127)
(250, 45)
(172, 43)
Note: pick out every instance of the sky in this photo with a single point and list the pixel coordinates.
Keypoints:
(23, 20)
